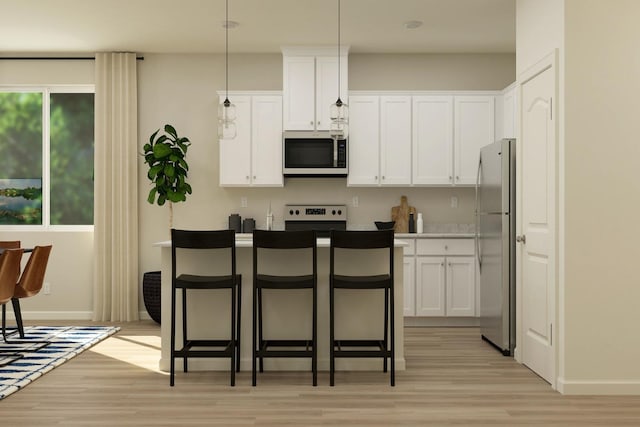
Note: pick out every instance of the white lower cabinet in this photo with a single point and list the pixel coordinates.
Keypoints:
(444, 284)
(409, 264)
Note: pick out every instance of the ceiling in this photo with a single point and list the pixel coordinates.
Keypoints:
(195, 26)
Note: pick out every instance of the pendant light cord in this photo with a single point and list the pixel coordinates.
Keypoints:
(338, 49)
(226, 50)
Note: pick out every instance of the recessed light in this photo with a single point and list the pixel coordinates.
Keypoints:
(410, 25)
(230, 24)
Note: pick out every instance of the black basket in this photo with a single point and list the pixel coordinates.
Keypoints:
(151, 293)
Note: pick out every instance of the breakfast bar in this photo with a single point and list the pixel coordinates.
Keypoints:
(288, 315)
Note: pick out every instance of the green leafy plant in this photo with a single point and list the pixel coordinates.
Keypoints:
(165, 154)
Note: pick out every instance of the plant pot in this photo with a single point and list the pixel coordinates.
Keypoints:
(151, 293)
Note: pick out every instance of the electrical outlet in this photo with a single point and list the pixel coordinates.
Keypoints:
(46, 288)
(454, 201)
(243, 202)
(355, 202)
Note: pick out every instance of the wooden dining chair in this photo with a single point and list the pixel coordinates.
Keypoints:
(9, 270)
(14, 244)
(30, 284)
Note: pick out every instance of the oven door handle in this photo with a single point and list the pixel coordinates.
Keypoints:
(335, 152)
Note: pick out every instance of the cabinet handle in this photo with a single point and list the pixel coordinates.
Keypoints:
(442, 263)
(383, 177)
(254, 177)
(311, 122)
(457, 178)
(247, 177)
(446, 248)
(450, 178)
(375, 177)
(318, 122)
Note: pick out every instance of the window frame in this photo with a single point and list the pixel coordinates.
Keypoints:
(46, 91)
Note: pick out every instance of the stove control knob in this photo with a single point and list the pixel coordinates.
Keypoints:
(333, 212)
(290, 211)
(339, 212)
(297, 212)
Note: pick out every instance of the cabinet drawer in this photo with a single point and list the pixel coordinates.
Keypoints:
(445, 247)
(411, 249)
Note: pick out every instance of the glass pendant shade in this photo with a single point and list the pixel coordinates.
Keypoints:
(339, 114)
(226, 120)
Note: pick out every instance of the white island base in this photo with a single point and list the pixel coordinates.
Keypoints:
(286, 313)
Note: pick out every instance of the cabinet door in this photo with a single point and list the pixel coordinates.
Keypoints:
(235, 154)
(364, 139)
(327, 87)
(432, 140)
(430, 286)
(266, 141)
(395, 140)
(474, 128)
(409, 285)
(461, 288)
(299, 92)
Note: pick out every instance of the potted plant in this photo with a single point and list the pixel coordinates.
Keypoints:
(165, 154)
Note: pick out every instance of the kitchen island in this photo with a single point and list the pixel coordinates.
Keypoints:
(359, 314)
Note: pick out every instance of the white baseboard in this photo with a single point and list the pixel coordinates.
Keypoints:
(53, 315)
(62, 315)
(442, 321)
(599, 387)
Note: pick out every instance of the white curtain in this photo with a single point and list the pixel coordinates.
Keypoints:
(115, 296)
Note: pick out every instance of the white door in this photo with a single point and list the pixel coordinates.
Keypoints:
(364, 141)
(474, 128)
(432, 140)
(235, 154)
(461, 286)
(299, 92)
(266, 141)
(430, 286)
(409, 285)
(395, 140)
(537, 254)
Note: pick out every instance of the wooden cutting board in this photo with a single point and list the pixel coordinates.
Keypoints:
(400, 214)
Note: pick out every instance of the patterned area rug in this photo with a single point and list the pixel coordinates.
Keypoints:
(66, 343)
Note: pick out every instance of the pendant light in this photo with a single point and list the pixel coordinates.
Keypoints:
(226, 110)
(339, 111)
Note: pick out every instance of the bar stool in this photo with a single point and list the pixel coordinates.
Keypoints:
(280, 240)
(216, 239)
(362, 240)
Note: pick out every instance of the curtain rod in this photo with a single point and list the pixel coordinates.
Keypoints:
(54, 58)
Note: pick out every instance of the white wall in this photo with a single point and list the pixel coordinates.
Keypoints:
(602, 345)
(181, 90)
(70, 269)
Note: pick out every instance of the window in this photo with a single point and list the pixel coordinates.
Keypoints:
(46, 156)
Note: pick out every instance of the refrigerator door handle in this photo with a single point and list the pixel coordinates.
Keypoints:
(477, 239)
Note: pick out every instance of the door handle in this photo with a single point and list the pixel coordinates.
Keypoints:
(521, 239)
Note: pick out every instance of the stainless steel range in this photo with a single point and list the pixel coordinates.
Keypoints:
(321, 218)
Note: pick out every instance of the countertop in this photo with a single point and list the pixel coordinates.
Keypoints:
(245, 240)
(435, 235)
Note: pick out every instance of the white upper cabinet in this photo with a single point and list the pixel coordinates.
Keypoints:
(235, 158)
(299, 92)
(364, 141)
(379, 141)
(474, 128)
(395, 140)
(266, 141)
(432, 140)
(310, 86)
(254, 157)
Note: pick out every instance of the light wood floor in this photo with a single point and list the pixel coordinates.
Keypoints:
(452, 377)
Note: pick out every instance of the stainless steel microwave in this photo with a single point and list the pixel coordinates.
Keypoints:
(309, 153)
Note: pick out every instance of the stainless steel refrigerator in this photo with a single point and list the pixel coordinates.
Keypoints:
(495, 243)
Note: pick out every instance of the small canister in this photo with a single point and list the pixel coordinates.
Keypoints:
(235, 223)
(248, 225)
